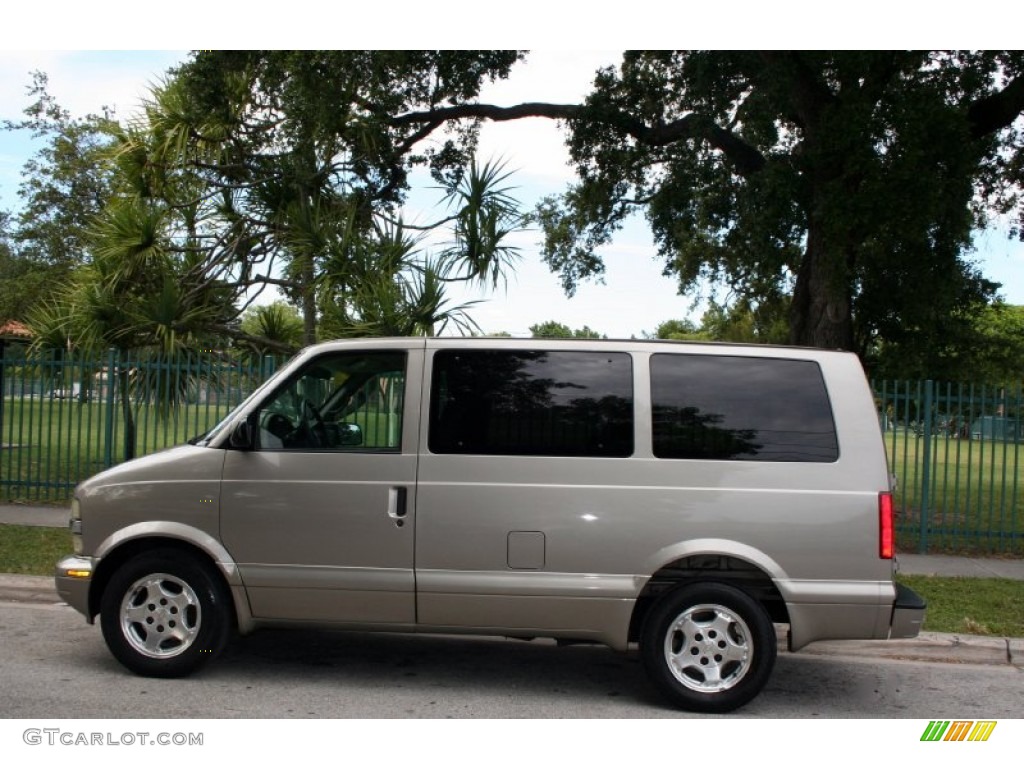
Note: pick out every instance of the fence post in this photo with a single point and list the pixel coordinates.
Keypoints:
(267, 367)
(926, 465)
(108, 426)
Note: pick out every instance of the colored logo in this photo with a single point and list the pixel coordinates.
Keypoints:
(958, 730)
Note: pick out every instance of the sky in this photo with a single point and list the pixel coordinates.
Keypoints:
(634, 296)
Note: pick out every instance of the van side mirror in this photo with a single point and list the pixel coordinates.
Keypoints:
(243, 436)
(349, 434)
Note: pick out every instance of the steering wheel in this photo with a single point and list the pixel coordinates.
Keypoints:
(313, 424)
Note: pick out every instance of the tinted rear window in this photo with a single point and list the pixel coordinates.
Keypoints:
(740, 409)
(523, 402)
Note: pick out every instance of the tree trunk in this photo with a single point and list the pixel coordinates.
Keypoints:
(821, 313)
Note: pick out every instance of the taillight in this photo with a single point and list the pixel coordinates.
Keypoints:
(885, 535)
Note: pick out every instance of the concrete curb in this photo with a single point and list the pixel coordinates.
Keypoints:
(929, 646)
(16, 588)
(43, 517)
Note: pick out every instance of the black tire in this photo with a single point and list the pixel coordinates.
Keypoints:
(708, 647)
(165, 614)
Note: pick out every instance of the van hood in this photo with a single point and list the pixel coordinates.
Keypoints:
(184, 462)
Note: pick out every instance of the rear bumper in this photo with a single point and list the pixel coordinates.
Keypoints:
(907, 613)
(863, 616)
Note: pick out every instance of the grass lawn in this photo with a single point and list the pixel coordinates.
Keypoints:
(967, 475)
(34, 550)
(975, 493)
(958, 605)
(971, 606)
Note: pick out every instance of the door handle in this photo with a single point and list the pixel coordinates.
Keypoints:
(396, 505)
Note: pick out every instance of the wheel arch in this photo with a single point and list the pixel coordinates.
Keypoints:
(712, 560)
(126, 544)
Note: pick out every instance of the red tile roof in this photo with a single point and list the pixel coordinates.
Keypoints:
(12, 329)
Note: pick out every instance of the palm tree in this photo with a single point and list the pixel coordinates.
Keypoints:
(486, 214)
(137, 297)
(297, 215)
(384, 285)
(270, 327)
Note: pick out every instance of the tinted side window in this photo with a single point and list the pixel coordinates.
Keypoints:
(740, 408)
(537, 403)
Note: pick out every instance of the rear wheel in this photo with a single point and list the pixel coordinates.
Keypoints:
(165, 614)
(708, 647)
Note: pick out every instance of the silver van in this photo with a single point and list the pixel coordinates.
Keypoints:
(679, 498)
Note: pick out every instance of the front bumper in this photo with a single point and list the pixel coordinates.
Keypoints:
(73, 577)
(907, 613)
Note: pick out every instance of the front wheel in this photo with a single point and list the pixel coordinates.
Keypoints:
(708, 647)
(165, 614)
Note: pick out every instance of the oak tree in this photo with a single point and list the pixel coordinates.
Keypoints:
(850, 181)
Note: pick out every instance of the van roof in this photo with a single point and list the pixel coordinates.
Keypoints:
(434, 342)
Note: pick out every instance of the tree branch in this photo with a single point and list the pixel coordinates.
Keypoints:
(997, 111)
(693, 126)
(743, 156)
(490, 112)
(883, 69)
(248, 282)
(258, 341)
(417, 227)
(808, 95)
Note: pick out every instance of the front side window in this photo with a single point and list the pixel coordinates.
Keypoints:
(529, 402)
(348, 401)
(740, 409)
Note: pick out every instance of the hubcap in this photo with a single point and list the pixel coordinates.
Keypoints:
(708, 648)
(160, 616)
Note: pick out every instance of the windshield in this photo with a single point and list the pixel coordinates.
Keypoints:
(224, 425)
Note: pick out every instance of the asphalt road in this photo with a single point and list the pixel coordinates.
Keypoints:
(54, 665)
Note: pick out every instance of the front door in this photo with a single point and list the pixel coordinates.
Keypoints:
(320, 515)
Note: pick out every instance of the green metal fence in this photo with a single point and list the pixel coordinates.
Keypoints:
(954, 449)
(955, 452)
(65, 417)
